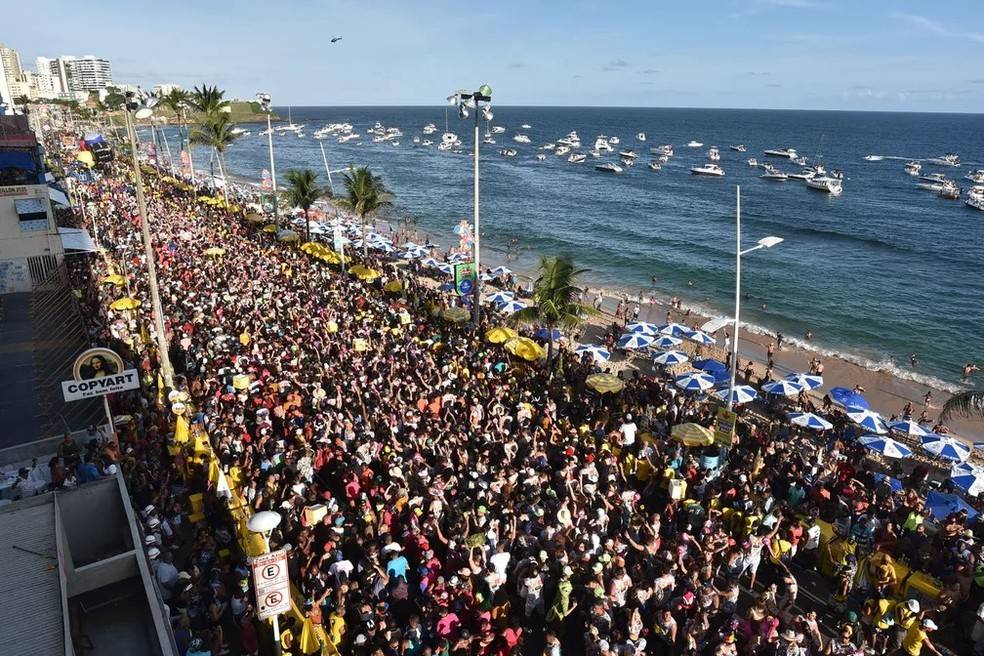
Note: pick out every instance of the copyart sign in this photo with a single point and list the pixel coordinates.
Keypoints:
(97, 372)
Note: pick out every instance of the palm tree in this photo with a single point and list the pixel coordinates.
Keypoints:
(555, 294)
(216, 132)
(366, 194)
(177, 100)
(968, 404)
(303, 191)
(209, 101)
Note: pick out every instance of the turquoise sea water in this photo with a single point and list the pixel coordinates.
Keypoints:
(880, 272)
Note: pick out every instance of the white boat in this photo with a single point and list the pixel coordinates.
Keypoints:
(630, 154)
(613, 141)
(488, 140)
(601, 144)
(975, 198)
(977, 177)
(799, 160)
(950, 190)
(498, 129)
(707, 169)
(627, 162)
(950, 159)
(548, 146)
(873, 158)
(596, 153)
(508, 152)
(427, 142)
(665, 149)
(577, 158)
(694, 144)
(608, 167)
(641, 136)
(345, 138)
(826, 184)
(714, 155)
(738, 148)
(430, 128)
(805, 174)
(540, 157)
(521, 138)
(290, 127)
(526, 126)
(788, 153)
(266, 132)
(663, 159)
(753, 162)
(394, 143)
(238, 132)
(913, 168)
(560, 151)
(450, 138)
(936, 178)
(772, 173)
(655, 166)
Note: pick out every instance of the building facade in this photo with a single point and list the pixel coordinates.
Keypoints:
(88, 73)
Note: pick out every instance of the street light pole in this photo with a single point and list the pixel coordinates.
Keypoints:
(264, 99)
(167, 370)
(477, 296)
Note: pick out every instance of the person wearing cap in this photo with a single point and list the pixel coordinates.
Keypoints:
(167, 574)
(917, 637)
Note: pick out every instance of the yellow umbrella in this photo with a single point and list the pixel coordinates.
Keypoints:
(500, 334)
(604, 383)
(114, 279)
(255, 218)
(126, 303)
(313, 248)
(287, 235)
(455, 314)
(85, 157)
(330, 257)
(692, 435)
(270, 228)
(215, 250)
(362, 272)
(393, 286)
(526, 348)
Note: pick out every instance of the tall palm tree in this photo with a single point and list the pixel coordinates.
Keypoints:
(177, 100)
(216, 132)
(303, 191)
(209, 101)
(555, 298)
(968, 404)
(366, 194)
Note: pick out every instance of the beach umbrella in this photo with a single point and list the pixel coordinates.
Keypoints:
(501, 271)
(665, 342)
(908, 427)
(940, 505)
(692, 435)
(500, 334)
(393, 286)
(415, 252)
(895, 483)
(943, 446)
(411, 244)
(740, 394)
(362, 272)
(979, 445)
(808, 381)
(630, 341)
(809, 420)
(848, 398)
(674, 330)
(604, 383)
(643, 327)
(695, 381)
(499, 297)
(445, 268)
(868, 420)
(456, 314)
(542, 333)
(510, 307)
(382, 246)
(525, 348)
(125, 303)
(885, 446)
(454, 258)
(782, 388)
(484, 277)
(115, 279)
(429, 262)
(670, 358)
(711, 366)
(701, 337)
(599, 353)
(968, 477)
(270, 227)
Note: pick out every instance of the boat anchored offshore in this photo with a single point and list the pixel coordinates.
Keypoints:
(738, 148)
(772, 173)
(655, 166)
(608, 167)
(788, 153)
(950, 159)
(975, 197)
(694, 144)
(714, 155)
(707, 169)
(665, 149)
(641, 136)
(913, 168)
(521, 138)
(825, 183)
(977, 177)
(577, 158)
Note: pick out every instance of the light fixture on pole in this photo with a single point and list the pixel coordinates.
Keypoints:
(136, 105)
(263, 523)
(764, 242)
(473, 101)
(267, 108)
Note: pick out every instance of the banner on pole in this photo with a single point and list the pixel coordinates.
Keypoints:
(465, 276)
(724, 427)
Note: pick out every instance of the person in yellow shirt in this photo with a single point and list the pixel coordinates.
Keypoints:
(879, 614)
(917, 637)
(906, 614)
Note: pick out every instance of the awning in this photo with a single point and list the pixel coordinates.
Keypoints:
(58, 196)
(76, 240)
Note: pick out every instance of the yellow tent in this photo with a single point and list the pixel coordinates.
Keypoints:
(526, 348)
(125, 303)
(692, 435)
(215, 250)
(115, 279)
(393, 286)
(270, 228)
(500, 334)
(605, 383)
(363, 272)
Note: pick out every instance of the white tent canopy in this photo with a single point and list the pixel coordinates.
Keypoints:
(76, 240)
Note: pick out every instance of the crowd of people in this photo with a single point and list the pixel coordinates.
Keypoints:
(439, 496)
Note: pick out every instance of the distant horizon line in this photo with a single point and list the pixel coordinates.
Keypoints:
(743, 109)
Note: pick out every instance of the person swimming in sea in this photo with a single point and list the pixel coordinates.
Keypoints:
(969, 369)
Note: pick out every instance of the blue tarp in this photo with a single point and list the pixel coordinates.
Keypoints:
(941, 505)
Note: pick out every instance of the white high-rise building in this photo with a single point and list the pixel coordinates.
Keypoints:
(11, 85)
(88, 73)
(51, 78)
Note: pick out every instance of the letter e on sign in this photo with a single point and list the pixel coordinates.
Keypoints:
(271, 582)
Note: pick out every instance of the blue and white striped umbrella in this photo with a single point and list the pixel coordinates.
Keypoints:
(600, 354)
(416, 252)
(740, 394)
(809, 381)
(869, 420)
(643, 327)
(809, 420)
(782, 388)
(630, 341)
(944, 446)
(695, 381)
(411, 244)
(382, 246)
(499, 297)
(670, 358)
(501, 271)
(445, 268)
(666, 342)
(429, 262)
(510, 307)
(674, 330)
(979, 445)
(454, 258)
(543, 333)
(908, 427)
(968, 477)
(701, 337)
(885, 446)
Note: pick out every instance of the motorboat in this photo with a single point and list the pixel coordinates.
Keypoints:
(548, 146)
(714, 155)
(665, 149)
(873, 158)
(526, 126)
(601, 144)
(427, 142)
(937, 178)
(694, 144)
(394, 143)
(238, 132)
(753, 162)
(772, 173)
(345, 138)
(655, 166)
(826, 184)
(560, 151)
(630, 154)
(805, 174)
(416, 140)
(949, 159)
(627, 162)
(738, 148)
(788, 153)
(710, 168)
(801, 161)
(663, 159)
(577, 158)
(521, 138)
(430, 128)
(913, 168)
(641, 136)
(950, 190)
(488, 140)
(613, 141)
(975, 197)
(977, 177)
(609, 167)
(508, 152)
(540, 157)
(596, 153)
(266, 132)
(498, 129)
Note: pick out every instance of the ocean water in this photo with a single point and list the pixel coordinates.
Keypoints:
(878, 273)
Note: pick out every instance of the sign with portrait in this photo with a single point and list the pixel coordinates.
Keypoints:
(97, 372)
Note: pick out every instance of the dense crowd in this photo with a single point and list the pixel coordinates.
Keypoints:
(441, 497)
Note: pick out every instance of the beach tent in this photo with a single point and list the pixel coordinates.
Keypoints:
(940, 505)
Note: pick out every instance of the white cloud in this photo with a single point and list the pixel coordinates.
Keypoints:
(931, 26)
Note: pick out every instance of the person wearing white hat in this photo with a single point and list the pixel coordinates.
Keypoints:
(917, 638)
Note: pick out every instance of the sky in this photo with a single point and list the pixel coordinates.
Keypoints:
(795, 54)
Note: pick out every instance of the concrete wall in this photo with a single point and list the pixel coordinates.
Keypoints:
(95, 523)
(18, 244)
